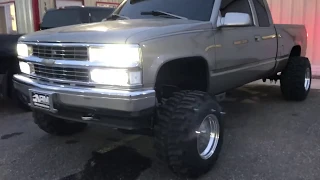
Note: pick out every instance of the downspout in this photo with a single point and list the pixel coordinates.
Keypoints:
(36, 16)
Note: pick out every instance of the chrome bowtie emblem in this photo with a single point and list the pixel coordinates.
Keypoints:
(48, 61)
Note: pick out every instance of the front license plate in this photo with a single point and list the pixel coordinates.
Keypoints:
(40, 99)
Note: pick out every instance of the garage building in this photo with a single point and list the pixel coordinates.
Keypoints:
(24, 16)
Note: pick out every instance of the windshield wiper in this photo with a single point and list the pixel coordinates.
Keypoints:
(116, 16)
(159, 13)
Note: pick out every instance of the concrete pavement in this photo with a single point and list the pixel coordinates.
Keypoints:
(266, 137)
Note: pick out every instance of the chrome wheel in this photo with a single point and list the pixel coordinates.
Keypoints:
(208, 136)
(307, 79)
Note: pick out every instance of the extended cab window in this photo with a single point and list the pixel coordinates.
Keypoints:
(192, 9)
(58, 18)
(262, 14)
(241, 6)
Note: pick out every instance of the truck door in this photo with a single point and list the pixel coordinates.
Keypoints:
(265, 35)
(236, 51)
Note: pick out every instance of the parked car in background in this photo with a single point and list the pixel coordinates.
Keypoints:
(72, 15)
(52, 19)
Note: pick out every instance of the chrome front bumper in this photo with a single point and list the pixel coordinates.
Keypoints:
(89, 98)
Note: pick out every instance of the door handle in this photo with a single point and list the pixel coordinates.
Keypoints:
(257, 38)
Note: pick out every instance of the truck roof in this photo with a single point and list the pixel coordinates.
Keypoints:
(78, 7)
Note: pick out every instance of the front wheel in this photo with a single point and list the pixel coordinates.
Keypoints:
(296, 79)
(189, 133)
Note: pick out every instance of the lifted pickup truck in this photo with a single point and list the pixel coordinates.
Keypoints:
(148, 69)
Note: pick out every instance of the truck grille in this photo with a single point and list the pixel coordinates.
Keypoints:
(60, 52)
(63, 73)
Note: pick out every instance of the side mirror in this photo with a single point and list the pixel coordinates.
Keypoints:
(235, 19)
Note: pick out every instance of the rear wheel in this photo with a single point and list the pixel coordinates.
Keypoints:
(57, 126)
(189, 133)
(296, 79)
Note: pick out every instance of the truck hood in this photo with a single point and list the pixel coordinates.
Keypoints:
(115, 31)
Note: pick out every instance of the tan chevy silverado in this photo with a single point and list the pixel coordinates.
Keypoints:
(155, 66)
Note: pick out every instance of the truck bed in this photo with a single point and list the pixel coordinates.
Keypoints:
(291, 35)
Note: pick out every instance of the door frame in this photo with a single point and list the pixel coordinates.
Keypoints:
(55, 2)
(3, 4)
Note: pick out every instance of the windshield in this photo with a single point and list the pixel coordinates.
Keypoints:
(192, 9)
(58, 18)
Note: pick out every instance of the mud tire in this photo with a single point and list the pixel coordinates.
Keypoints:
(175, 137)
(292, 79)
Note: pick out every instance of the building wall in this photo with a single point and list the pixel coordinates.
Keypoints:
(24, 15)
(93, 2)
(301, 12)
(45, 5)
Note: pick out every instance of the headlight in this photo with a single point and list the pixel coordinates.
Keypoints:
(23, 50)
(116, 55)
(119, 77)
(24, 67)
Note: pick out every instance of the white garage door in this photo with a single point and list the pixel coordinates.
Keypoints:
(63, 3)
